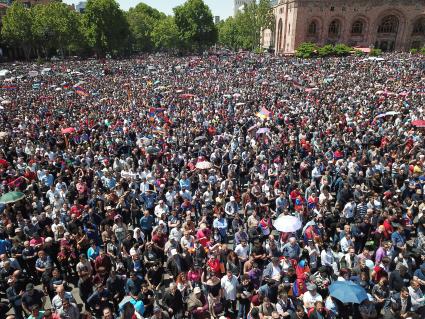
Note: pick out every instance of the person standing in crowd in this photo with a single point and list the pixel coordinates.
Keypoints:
(237, 184)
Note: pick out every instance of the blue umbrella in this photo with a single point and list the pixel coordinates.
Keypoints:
(348, 292)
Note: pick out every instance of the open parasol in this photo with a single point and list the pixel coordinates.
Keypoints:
(187, 96)
(153, 150)
(263, 130)
(419, 123)
(11, 197)
(68, 130)
(287, 224)
(204, 165)
(200, 138)
(348, 292)
(3, 162)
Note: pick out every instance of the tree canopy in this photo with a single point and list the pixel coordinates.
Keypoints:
(195, 25)
(106, 26)
(103, 28)
(142, 20)
(244, 31)
(17, 27)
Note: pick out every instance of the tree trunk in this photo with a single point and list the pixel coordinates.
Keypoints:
(27, 52)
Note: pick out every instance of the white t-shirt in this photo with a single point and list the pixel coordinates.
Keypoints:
(242, 252)
(309, 299)
(229, 287)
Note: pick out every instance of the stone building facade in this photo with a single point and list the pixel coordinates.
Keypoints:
(238, 4)
(391, 25)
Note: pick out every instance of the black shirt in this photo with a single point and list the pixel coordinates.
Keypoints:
(147, 297)
(116, 286)
(36, 298)
(174, 302)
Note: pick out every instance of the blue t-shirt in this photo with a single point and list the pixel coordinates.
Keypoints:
(147, 222)
(4, 246)
(92, 253)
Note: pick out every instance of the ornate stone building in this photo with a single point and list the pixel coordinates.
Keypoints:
(238, 5)
(386, 24)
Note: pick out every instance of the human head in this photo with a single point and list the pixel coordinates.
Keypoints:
(107, 313)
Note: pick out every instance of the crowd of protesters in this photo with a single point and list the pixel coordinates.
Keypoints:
(152, 186)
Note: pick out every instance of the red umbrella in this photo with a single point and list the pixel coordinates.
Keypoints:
(186, 96)
(419, 123)
(68, 130)
(3, 162)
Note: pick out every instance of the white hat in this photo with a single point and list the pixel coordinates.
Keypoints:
(232, 198)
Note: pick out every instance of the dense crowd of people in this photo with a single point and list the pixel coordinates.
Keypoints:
(151, 187)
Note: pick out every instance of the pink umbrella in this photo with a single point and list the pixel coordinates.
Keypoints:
(419, 123)
(68, 130)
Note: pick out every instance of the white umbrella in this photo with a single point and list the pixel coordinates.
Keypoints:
(203, 165)
(287, 224)
(4, 72)
(79, 83)
(391, 113)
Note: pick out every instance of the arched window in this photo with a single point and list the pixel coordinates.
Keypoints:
(388, 24)
(419, 27)
(312, 28)
(357, 27)
(334, 28)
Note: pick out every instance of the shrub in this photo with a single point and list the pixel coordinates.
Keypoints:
(375, 52)
(414, 51)
(306, 50)
(423, 51)
(326, 50)
(359, 53)
(259, 50)
(342, 49)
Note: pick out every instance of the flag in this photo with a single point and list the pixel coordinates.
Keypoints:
(158, 130)
(264, 113)
(296, 84)
(9, 87)
(80, 91)
(153, 111)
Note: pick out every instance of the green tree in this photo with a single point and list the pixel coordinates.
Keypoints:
(55, 27)
(252, 21)
(17, 28)
(195, 25)
(142, 20)
(228, 33)
(165, 35)
(106, 27)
